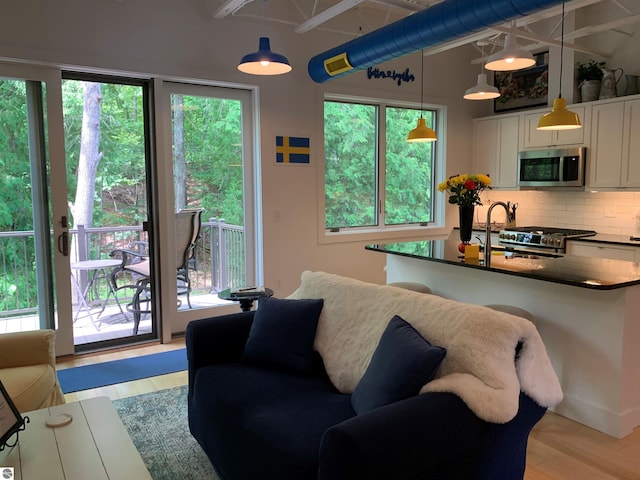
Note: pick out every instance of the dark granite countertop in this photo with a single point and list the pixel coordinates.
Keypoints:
(579, 271)
(611, 239)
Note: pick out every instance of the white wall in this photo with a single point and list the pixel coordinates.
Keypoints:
(169, 38)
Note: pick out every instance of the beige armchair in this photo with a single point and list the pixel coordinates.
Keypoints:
(28, 369)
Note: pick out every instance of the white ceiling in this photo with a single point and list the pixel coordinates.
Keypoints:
(600, 25)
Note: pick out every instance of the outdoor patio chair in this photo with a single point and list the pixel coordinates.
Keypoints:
(135, 265)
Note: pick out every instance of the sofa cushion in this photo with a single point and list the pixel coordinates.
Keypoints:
(401, 364)
(260, 416)
(283, 332)
(30, 386)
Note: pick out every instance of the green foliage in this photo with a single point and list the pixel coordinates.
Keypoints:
(590, 70)
(213, 141)
(351, 166)
(15, 185)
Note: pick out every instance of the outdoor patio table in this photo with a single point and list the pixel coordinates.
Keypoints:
(96, 270)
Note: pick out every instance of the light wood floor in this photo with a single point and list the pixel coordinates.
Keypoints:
(559, 448)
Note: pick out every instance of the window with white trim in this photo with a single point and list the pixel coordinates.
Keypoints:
(373, 177)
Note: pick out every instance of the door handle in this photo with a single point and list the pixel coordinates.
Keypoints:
(63, 244)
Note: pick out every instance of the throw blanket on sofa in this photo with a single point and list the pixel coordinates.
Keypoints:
(480, 365)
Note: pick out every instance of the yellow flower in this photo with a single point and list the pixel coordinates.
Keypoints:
(465, 189)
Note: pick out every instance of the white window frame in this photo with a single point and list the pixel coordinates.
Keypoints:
(385, 232)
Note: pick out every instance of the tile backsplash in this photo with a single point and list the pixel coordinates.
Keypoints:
(616, 213)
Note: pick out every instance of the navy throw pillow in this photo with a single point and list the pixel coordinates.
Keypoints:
(401, 364)
(283, 332)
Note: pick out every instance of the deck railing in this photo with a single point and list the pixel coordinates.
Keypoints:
(219, 260)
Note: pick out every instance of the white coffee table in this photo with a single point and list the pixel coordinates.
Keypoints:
(95, 445)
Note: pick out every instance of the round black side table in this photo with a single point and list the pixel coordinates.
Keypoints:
(245, 300)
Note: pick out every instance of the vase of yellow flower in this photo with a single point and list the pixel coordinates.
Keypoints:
(464, 190)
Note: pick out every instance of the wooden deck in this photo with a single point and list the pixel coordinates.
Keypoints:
(111, 324)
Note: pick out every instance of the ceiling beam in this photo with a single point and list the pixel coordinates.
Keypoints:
(327, 15)
(230, 7)
(545, 40)
(612, 25)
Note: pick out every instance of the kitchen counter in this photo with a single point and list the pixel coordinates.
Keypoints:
(579, 271)
(611, 239)
(586, 310)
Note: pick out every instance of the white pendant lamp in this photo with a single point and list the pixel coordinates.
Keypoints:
(559, 118)
(482, 90)
(264, 61)
(421, 133)
(510, 57)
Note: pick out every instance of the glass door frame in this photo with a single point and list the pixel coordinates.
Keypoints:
(54, 153)
(150, 177)
(172, 319)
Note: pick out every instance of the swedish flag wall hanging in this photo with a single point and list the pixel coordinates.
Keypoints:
(292, 150)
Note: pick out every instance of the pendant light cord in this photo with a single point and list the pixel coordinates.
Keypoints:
(421, 81)
(561, 50)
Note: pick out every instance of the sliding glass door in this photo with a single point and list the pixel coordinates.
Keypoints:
(34, 288)
(209, 134)
(97, 173)
(106, 122)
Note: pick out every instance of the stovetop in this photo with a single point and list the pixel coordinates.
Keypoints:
(567, 232)
(541, 237)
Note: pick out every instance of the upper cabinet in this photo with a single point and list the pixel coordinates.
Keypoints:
(534, 138)
(611, 134)
(614, 145)
(495, 149)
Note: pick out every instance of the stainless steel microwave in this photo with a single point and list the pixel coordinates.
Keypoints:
(554, 167)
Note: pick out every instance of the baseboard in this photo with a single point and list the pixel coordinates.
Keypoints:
(616, 424)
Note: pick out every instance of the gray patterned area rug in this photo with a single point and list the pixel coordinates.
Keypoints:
(157, 424)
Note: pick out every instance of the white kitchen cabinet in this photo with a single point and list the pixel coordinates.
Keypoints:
(630, 170)
(615, 145)
(613, 252)
(495, 150)
(534, 138)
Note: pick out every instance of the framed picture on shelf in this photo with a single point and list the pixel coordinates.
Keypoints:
(523, 88)
(10, 419)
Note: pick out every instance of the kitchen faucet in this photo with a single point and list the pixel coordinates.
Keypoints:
(487, 231)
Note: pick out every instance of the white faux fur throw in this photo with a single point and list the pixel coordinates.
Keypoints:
(479, 367)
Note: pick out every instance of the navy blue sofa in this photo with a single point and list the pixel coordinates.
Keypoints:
(259, 422)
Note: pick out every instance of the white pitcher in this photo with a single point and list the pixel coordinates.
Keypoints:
(609, 87)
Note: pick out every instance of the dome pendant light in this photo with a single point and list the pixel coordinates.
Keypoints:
(264, 61)
(559, 118)
(510, 57)
(482, 90)
(421, 133)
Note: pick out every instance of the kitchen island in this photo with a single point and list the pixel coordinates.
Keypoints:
(586, 310)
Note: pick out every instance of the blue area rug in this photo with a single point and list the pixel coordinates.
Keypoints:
(157, 423)
(119, 371)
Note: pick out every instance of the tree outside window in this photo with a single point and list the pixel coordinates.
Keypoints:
(369, 164)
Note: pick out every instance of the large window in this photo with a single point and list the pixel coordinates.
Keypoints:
(373, 177)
